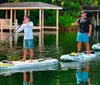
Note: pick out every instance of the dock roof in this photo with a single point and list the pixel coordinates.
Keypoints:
(92, 8)
(28, 5)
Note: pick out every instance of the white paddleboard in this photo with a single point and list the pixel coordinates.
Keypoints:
(78, 57)
(26, 64)
(96, 46)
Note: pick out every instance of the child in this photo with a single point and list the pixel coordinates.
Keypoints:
(27, 26)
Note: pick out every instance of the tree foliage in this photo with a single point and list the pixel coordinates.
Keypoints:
(16, 1)
(70, 12)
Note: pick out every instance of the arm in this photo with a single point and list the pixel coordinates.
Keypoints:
(19, 29)
(75, 23)
(90, 30)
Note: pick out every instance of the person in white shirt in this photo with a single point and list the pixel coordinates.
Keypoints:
(27, 27)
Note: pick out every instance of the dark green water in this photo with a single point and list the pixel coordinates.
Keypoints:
(52, 47)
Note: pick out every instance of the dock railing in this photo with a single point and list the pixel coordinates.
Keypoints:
(6, 24)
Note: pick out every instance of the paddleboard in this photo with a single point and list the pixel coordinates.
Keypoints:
(7, 72)
(96, 46)
(79, 57)
(26, 64)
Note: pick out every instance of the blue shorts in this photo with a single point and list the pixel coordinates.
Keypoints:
(26, 83)
(28, 44)
(82, 37)
(82, 76)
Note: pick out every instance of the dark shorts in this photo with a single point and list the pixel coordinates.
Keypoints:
(28, 44)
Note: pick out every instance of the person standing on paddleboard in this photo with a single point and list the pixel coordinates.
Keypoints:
(27, 26)
(85, 28)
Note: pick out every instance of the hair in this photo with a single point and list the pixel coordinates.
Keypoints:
(27, 16)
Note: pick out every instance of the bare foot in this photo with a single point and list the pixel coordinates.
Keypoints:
(22, 60)
(88, 53)
(78, 53)
(31, 61)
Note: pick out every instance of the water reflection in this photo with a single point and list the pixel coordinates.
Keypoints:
(82, 74)
(96, 36)
(4, 38)
(65, 77)
(41, 39)
(25, 78)
(39, 67)
(82, 71)
(40, 34)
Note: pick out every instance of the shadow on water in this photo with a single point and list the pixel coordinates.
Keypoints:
(51, 44)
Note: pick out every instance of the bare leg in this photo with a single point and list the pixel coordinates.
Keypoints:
(31, 54)
(87, 48)
(31, 78)
(25, 54)
(25, 76)
(79, 47)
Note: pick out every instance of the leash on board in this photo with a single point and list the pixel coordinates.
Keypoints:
(9, 36)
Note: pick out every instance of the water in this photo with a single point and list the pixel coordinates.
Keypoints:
(49, 44)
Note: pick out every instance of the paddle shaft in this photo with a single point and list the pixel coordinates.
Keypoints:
(90, 37)
(9, 36)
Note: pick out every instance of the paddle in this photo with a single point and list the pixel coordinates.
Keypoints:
(9, 36)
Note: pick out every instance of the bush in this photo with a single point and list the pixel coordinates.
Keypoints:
(66, 20)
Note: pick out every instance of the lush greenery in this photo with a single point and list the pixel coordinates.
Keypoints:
(70, 12)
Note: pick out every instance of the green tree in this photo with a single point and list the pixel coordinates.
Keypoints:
(16, 1)
(71, 10)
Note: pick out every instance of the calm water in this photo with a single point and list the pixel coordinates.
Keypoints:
(49, 44)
